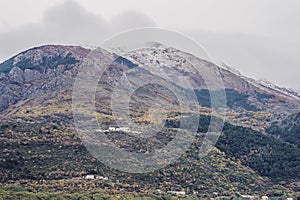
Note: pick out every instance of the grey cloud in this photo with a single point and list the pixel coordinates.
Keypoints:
(68, 23)
(258, 57)
(131, 19)
(72, 23)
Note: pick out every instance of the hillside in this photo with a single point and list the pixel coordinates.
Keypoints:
(41, 151)
(287, 130)
(244, 161)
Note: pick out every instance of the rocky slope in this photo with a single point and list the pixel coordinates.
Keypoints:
(175, 63)
(39, 82)
(37, 73)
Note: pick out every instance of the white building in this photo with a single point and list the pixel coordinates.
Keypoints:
(124, 129)
(111, 128)
(90, 177)
(264, 198)
(248, 197)
(178, 193)
(102, 178)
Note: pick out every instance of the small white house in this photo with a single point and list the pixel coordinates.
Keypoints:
(178, 193)
(248, 197)
(111, 128)
(90, 177)
(264, 197)
(289, 198)
(102, 178)
(124, 129)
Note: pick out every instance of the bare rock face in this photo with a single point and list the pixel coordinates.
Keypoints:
(30, 75)
(6, 100)
(37, 72)
(2, 76)
(16, 75)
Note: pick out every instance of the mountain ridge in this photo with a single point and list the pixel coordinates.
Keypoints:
(66, 59)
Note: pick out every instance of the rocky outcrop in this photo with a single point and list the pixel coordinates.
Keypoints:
(30, 75)
(16, 75)
(36, 72)
(2, 76)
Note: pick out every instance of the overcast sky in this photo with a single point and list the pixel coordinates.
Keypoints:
(260, 38)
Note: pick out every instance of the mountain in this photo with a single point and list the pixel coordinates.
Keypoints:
(34, 77)
(41, 151)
